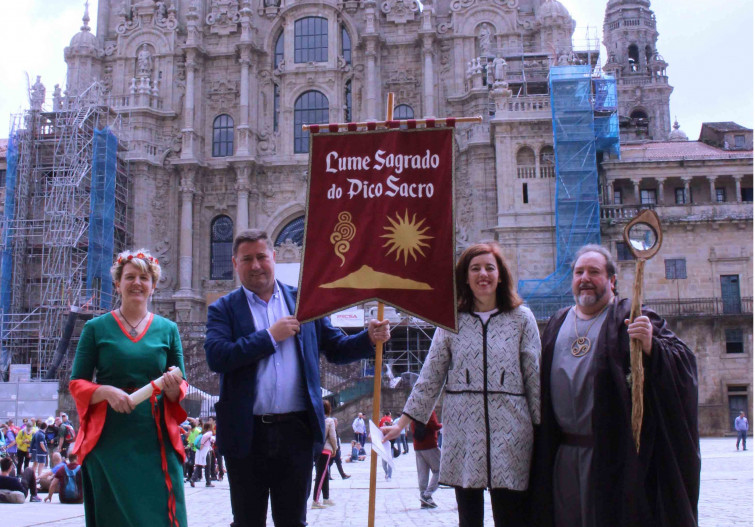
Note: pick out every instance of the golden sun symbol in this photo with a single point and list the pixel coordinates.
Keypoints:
(406, 236)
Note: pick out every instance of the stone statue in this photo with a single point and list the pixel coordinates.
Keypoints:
(37, 96)
(499, 67)
(161, 10)
(144, 62)
(57, 98)
(484, 40)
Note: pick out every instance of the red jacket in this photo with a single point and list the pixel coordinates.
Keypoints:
(430, 438)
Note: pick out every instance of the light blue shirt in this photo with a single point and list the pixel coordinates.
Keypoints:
(280, 384)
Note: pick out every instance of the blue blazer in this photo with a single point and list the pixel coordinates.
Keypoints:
(234, 347)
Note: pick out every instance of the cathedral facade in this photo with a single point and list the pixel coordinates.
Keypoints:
(212, 95)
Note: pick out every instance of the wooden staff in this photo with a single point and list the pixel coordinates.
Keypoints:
(145, 392)
(377, 383)
(384, 124)
(647, 219)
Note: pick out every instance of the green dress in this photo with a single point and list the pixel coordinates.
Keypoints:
(124, 484)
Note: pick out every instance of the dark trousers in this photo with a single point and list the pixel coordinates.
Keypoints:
(189, 465)
(404, 443)
(337, 460)
(508, 507)
(197, 475)
(742, 436)
(29, 481)
(22, 461)
(360, 438)
(321, 477)
(279, 466)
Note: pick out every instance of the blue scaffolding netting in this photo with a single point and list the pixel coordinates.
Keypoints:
(584, 122)
(101, 218)
(6, 264)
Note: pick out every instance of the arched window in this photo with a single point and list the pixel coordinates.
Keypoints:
(345, 45)
(525, 163)
(278, 50)
(403, 111)
(276, 105)
(547, 162)
(347, 101)
(634, 57)
(294, 231)
(310, 108)
(222, 136)
(311, 39)
(221, 248)
(639, 114)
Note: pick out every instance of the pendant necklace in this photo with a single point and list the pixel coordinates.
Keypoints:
(581, 345)
(134, 333)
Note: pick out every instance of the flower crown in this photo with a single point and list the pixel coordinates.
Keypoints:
(141, 256)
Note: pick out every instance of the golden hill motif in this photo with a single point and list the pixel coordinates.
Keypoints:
(367, 278)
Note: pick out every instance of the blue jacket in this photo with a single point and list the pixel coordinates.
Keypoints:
(234, 347)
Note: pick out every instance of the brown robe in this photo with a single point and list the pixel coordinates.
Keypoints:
(659, 487)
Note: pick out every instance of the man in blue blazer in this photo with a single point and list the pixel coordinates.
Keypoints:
(270, 419)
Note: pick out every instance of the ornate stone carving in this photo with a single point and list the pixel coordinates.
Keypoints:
(445, 27)
(129, 21)
(110, 48)
(224, 17)
(458, 5)
(37, 94)
(144, 62)
(288, 251)
(223, 93)
(163, 253)
(484, 35)
(399, 11)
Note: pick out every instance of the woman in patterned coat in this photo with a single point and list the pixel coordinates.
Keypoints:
(491, 374)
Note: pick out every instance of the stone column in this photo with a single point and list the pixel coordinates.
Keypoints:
(242, 191)
(187, 133)
(372, 80)
(636, 192)
(429, 76)
(738, 185)
(687, 195)
(712, 182)
(660, 181)
(609, 189)
(243, 127)
(185, 258)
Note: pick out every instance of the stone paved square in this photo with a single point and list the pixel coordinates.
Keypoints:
(725, 498)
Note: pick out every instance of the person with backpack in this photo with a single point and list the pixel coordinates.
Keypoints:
(204, 443)
(66, 434)
(67, 482)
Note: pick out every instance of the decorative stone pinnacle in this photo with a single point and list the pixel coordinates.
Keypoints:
(86, 18)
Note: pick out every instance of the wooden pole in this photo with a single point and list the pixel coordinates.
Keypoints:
(635, 356)
(377, 385)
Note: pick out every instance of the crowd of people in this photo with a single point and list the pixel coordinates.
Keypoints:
(541, 424)
(31, 461)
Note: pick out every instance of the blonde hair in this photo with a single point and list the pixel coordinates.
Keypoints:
(141, 259)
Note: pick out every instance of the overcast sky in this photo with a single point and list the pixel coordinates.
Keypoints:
(708, 45)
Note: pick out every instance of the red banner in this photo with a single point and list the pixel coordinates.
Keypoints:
(380, 224)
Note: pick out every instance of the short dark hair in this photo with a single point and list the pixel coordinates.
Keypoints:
(72, 457)
(5, 464)
(250, 235)
(326, 406)
(595, 248)
(42, 425)
(206, 427)
(506, 297)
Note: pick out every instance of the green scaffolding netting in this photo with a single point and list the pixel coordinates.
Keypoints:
(585, 121)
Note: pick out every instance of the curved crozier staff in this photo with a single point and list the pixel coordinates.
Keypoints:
(643, 237)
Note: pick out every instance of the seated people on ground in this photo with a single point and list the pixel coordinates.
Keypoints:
(68, 482)
(13, 489)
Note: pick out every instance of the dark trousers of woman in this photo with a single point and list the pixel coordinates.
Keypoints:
(508, 507)
(321, 477)
(22, 461)
(337, 460)
(189, 465)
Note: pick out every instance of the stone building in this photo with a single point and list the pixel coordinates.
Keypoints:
(212, 95)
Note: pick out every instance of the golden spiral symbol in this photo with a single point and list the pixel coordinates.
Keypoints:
(343, 233)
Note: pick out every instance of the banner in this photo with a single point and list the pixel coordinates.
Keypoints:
(380, 224)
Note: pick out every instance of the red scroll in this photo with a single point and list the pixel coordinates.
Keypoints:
(380, 224)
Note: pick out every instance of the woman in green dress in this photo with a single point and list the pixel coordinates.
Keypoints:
(131, 455)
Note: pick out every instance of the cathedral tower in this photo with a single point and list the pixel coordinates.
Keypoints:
(630, 36)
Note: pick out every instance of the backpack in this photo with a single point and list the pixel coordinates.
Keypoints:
(70, 433)
(70, 492)
(198, 441)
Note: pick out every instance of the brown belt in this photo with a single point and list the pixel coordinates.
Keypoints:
(585, 441)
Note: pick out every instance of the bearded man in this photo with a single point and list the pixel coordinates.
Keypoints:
(586, 470)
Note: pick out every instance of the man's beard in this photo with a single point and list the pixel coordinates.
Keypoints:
(584, 299)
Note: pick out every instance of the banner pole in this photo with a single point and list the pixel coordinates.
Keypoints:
(377, 383)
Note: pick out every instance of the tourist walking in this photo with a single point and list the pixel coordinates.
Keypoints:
(490, 371)
(322, 485)
(131, 456)
(427, 456)
(741, 426)
(203, 458)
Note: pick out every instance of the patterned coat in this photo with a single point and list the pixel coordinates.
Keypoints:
(492, 378)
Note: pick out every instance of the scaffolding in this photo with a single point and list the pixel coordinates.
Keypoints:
(585, 121)
(66, 213)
